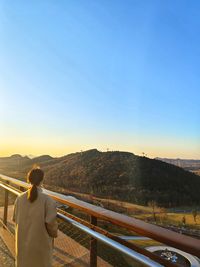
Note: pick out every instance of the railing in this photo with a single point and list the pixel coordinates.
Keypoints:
(100, 235)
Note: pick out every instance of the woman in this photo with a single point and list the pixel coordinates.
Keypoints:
(35, 224)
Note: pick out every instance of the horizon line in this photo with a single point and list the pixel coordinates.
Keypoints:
(31, 156)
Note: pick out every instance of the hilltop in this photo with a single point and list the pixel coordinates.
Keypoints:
(118, 175)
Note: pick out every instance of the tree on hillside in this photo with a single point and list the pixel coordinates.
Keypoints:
(152, 204)
(184, 220)
(194, 214)
(163, 215)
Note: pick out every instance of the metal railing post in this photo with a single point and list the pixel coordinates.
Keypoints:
(180, 241)
(93, 245)
(5, 214)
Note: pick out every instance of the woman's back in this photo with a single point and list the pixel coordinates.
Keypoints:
(33, 243)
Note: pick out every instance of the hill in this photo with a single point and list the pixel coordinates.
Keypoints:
(117, 175)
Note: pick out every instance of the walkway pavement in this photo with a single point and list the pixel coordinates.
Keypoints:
(67, 252)
(6, 258)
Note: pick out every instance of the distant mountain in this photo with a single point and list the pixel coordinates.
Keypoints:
(16, 156)
(188, 164)
(40, 159)
(30, 156)
(118, 175)
(17, 165)
(13, 160)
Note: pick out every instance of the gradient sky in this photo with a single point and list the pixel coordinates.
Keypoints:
(115, 74)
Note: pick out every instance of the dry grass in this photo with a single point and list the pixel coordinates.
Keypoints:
(173, 219)
(129, 206)
(146, 243)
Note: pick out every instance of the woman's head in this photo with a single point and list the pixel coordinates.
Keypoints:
(35, 176)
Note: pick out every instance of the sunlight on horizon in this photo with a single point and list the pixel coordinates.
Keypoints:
(61, 147)
(88, 79)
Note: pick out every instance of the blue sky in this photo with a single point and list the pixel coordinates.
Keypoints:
(122, 75)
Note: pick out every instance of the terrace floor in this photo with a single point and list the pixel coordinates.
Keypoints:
(6, 258)
(67, 252)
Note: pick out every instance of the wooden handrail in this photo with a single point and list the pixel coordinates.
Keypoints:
(180, 241)
(93, 250)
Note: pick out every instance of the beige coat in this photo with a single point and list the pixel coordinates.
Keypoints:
(33, 244)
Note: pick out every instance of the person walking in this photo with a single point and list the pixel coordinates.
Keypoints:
(35, 224)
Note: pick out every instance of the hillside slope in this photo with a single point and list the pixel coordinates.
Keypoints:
(119, 175)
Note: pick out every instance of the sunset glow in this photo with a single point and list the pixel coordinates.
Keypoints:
(102, 74)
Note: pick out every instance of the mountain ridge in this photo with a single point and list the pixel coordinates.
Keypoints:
(115, 174)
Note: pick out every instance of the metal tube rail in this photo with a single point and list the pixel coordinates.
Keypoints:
(118, 239)
(97, 236)
(9, 188)
(180, 241)
(132, 254)
(93, 259)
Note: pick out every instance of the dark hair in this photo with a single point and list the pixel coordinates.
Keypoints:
(34, 176)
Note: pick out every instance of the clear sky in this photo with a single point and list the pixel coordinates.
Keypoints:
(115, 74)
